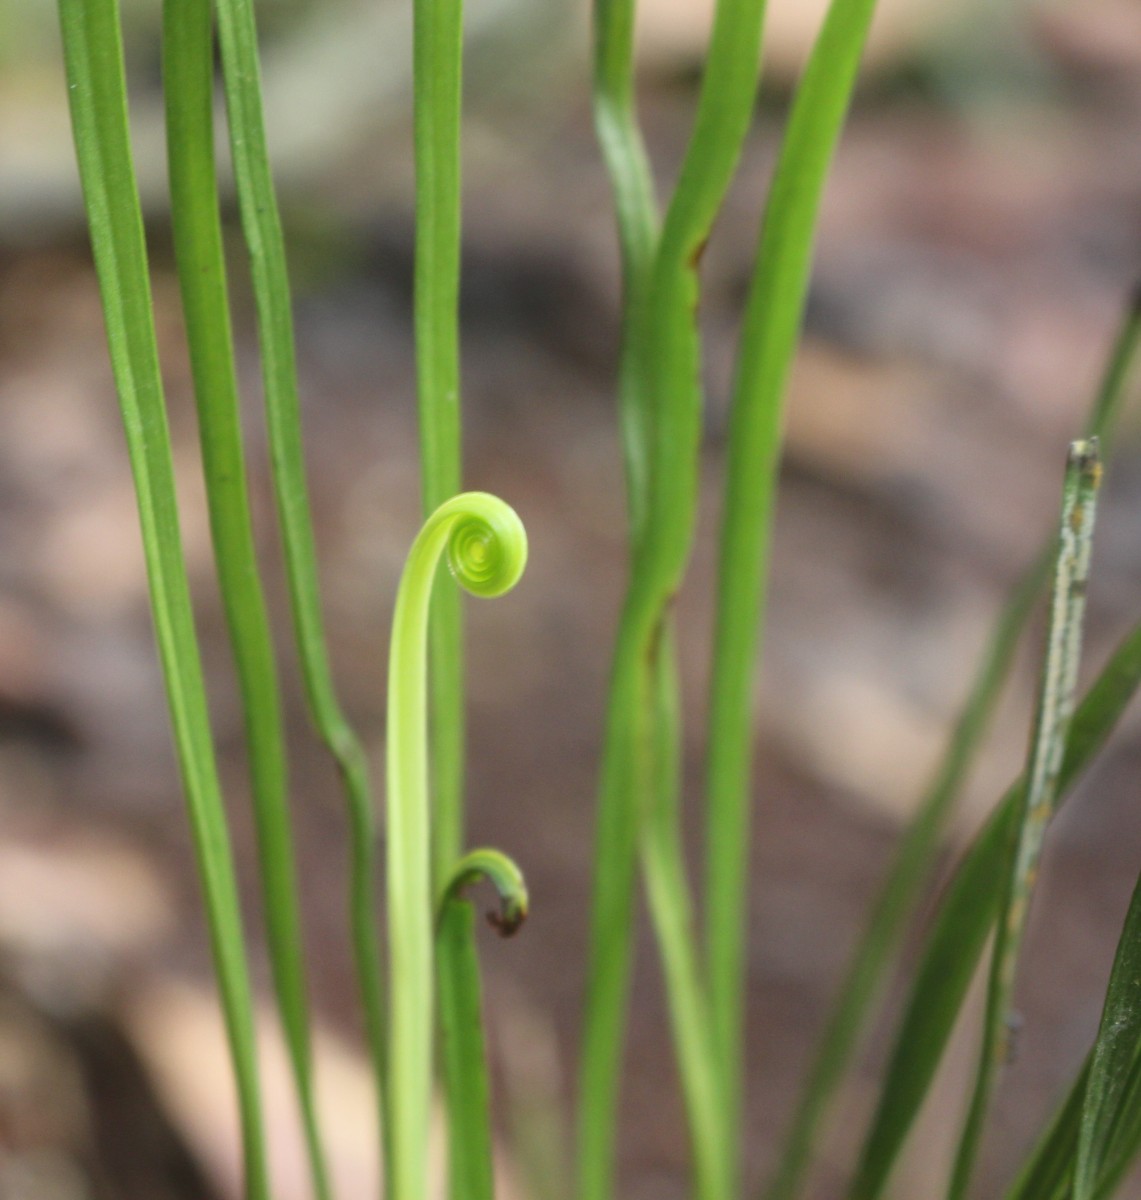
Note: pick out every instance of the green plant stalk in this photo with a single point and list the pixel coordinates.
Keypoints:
(632, 185)
(487, 550)
(1119, 374)
(1124, 1135)
(663, 862)
(437, 67)
(963, 923)
(1047, 751)
(770, 329)
(97, 94)
(437, 104)
(665, 353)
(896, 902)
(920, 844)
(1115, 1053)
(261, 226)
(667, 893)
(611, 939)
(1049, 1172)
(471, 1166)
(188, 74)
(628, 166)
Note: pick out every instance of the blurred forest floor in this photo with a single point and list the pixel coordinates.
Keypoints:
(980, 237)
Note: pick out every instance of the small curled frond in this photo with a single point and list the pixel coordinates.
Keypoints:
(486, 547)
(502, 873)
(487, 544)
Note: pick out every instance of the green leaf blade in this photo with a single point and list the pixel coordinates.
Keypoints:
(188, 87)
(661, 397)
(962, 925)
(463, 1056)
(97, 95)
(1115, 1055)
(768, 341)
(261, 229)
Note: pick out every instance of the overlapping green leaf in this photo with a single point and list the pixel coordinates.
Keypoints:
(920, 843)
(963, 924)
(98, 97)
(261, 228)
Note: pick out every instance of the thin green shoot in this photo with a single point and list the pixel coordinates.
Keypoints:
(1047, 751)
(97, 94)
(1116, 1051)
(261, 226)
(1110, 1110)
(919, 847)
(611, 941)
(662, 426)
(463, 1056)
(437, 66)
(487, 551)
(437, 48)
(962, 925)
(1124, 1137)
(1119, 374)
(1048, 1173)
(667, 893)
(636, 212)
(188, 77)
(771, 325)
(471, 1166)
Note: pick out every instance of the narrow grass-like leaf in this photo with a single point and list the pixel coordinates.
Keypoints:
(97, 94)
(768, 343)
(261, 226)
(1124, 1136)
(896, 901)
(963, 922)
(624, 152)
(919, 846)
(1117, 1049)
(665, 350)
(1119, 374)
(667, 892)
(471, 1168)
(611, 943)
(1049, 1172)
(1047, 750)
(188, 77)
(1095, 1137)
(437, 93)
(437, 76)
(487, 551)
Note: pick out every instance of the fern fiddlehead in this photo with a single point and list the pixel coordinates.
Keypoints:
(486, 547)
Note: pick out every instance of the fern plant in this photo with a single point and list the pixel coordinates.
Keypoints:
(432, 985)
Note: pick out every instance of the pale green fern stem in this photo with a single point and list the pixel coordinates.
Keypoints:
(487, 551)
